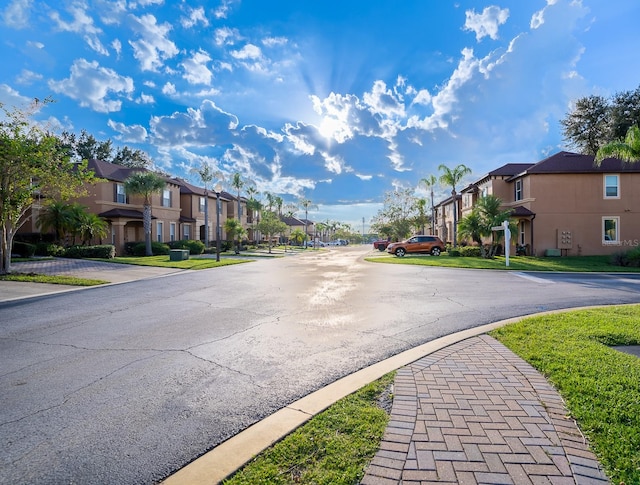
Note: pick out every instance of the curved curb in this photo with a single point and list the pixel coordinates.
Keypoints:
(230, 455)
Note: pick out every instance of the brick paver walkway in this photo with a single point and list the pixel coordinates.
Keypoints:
(475, 413)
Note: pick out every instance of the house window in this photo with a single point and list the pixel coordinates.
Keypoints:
(172, 231)
(113, 235)
(522, 233)
(166, 198)
(518, 194)
(201, 204)
(159, 229)
(121, 195)
(610, 230)
(611, 187)
(186, 232)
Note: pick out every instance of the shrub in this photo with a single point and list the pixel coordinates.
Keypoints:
(471, 251)
(103, 251)
(194, 246)
(49, 249)
(23, 249)
(629, 258)
(157, 249)
(454, 253)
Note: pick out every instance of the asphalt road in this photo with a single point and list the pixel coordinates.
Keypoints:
(128, 383)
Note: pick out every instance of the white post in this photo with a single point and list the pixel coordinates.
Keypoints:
(507, 241)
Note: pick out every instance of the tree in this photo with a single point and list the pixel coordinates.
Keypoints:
(480, 222)
(306, 205)
(472, 227)
(234, 229)
(627, 150)
(91, 226)
(451, 178)
(586, 127)
(56, 217)
(145, 184)
(237, 183)
(421, 218)
(271, 225)
(207, 175)
(624, 113)
(255, 206)
(429, 182)
(132, 158)
(395, 219)
(298, 236)
(33, 163)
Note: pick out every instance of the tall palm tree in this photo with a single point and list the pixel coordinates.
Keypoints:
(237, 183)
(92, 226)
(306, 204)
(471, 227)
(490, 209)
(255, 206)
(627, 150)
(207, 175)
(451, 178)
(145, 184)
(429, 182)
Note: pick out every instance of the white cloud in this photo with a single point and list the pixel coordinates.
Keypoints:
(226, 36)
(383, 101)
(486, 23)
(274, 41)
(153, 46)
(249, 51)
(81, 23)
(195, 16)
(28, 77)
(92, 85)
(169, 89)
(117, 46)
(129, 134)
(16, 14)
(196, 70)
(11, 97)
(146, 99)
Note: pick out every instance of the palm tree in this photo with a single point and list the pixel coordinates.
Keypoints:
(207, 175)
(237, 183)
(57, 217)
(233, 228)
(91, 226)
(255, 206)
(627, 150)
(306, 205)
(451, 178)
(421, 218)
(489, 208)
(145, 184)
(471, 227)
(429, 182)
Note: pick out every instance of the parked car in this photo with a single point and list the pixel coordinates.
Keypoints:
(417, 244)
(312, 244)
(380, 244)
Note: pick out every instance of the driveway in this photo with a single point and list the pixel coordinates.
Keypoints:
(128, 383)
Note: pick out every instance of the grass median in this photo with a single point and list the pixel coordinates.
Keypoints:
(194, 263)
(516, 263)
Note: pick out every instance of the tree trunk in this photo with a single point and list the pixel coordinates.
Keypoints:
(147, 230)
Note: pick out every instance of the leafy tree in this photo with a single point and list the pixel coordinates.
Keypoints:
(472, 227)
(421, 219)
(306, 204)
(479, 223)
(132, 158)
(32, 162)
(451, 178)
(627, 150)
(395, 219)
(255, 206)
(298, 236)
(91, 226)
(625, 113)
(145, 184)
(270, 225)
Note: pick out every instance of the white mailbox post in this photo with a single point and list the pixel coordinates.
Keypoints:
(507, 239)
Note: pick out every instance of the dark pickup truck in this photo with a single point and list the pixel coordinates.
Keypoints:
(380, 244)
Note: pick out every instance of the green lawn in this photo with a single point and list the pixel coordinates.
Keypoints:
(193, 262)
(51, 279)
(600, 385)
(516, 263)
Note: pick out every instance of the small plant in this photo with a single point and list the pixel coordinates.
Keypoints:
(194, 246)
(471, 251)
(157, 248)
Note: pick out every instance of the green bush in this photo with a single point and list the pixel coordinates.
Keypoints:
(454, 253)
(23, 249)
(629, 258)
(194, 246)
(49, 249)
(470, 251)
(157, 249)
(104, 251)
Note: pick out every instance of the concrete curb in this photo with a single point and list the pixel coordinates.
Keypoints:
(231, 455)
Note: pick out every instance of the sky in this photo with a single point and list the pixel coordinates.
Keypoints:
(337, 102)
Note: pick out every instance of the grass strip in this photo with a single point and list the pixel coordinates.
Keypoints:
(600, 385)
(165, 262)
(51, 279)
(332, 448)
(516, 263)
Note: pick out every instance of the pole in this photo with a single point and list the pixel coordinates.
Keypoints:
(363, 242)
(206, 218)
(507, 241)
(217, 226)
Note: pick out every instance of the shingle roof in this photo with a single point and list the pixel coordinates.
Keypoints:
(126, 213)
(510, 169)
(111, 171)
(567, 162)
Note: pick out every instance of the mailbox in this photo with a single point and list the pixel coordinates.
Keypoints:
(564, 239)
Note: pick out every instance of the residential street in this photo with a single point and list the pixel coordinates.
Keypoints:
(128, 383)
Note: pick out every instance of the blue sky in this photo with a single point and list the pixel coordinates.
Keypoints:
(334, 101)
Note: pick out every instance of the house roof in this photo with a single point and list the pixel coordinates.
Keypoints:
(292, 221)
(520, 211)
(111, 171)
(125, 213)
(567, 162)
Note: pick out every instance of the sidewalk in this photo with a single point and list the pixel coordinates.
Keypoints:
(475, 413)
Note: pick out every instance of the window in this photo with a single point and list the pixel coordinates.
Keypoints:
(159, 229)
(610, 230)
(201, 204)
(518, 194)
(522, 233)
(166, 198)
(611, 187)
(172, 231)
(186, 232)
(120, 194)
(113, 235)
